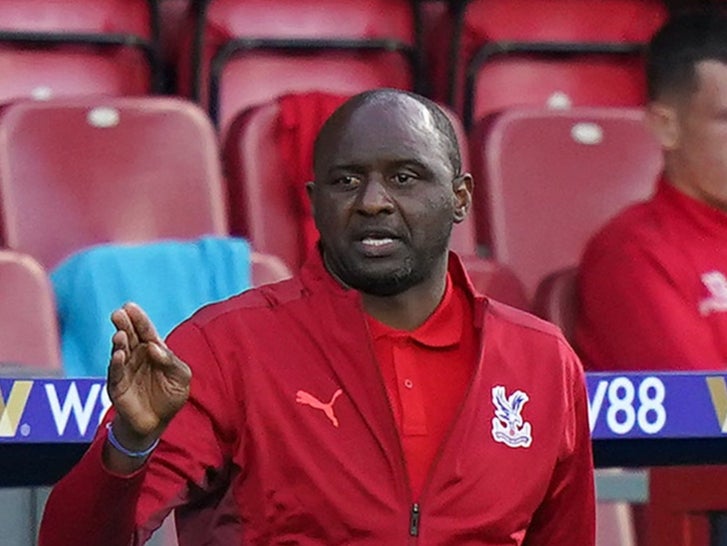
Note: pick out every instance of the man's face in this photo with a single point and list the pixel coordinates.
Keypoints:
(385, 197)
(699, 155)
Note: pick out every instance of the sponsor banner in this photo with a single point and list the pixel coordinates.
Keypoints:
(661, 405)
(51, 410)
(643, 405)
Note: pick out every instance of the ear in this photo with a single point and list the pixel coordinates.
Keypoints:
(663, 121)
(462, 186)
(310, 189)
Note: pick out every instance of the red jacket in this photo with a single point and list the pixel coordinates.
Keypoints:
(268, 451)
(653, 288)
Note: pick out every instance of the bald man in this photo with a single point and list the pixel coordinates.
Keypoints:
(374, 399)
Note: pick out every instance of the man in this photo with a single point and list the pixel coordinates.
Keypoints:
(653, 285)
(374, 399)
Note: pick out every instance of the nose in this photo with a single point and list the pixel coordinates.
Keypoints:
(373, 197)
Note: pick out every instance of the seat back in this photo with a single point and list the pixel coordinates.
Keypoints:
(28, 331)
(522, 52)
(558, 83)
(78, 172)
(52, 48)
(71, 71)
(132, 17)
(247, 81)
(496, 280)
(549, 179)
(254, 51)
(266, 269)
(556, 300)
(267, 162)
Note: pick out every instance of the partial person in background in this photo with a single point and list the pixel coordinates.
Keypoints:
(374, 399)
(653, 282)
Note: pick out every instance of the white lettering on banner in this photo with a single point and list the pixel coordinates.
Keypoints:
(72, 403)
(594, 406)
(622, 412)
(105, 403)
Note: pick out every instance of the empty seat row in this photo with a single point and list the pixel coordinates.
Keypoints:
(483, 56)
(487, 55)
(60, 48)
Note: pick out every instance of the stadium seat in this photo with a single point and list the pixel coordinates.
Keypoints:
(173, 16)
(77, 172)
(556, 300)
(558, 53)
(267, 159)
(548, 179)
(54, 48)
(28, 333)
(246, 53)
(266, 268)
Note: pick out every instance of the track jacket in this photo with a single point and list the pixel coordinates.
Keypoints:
(288, 437)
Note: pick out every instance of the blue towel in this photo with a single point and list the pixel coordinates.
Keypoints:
(170, 280)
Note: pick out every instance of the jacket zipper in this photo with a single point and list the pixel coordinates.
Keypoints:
(414, 513)
(414, 519)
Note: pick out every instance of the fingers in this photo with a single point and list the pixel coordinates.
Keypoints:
(120, 342)
(115, 373)
(143, 326)
(122, 322)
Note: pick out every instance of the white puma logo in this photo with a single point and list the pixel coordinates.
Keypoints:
(308, 399)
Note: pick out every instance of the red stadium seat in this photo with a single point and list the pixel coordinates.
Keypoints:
(549, 179)
(559, 53)
(266, 198)
(77, 172)
(556, 300)
(251, 52)
(55, 48)
(28, 330)
(173, 16)
(258, 193)
(267, 268)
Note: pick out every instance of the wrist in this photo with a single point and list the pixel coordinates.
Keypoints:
(126, 449)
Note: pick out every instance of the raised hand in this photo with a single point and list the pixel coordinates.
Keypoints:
(147, 383)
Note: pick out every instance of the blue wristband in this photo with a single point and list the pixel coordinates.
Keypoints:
(133, 454)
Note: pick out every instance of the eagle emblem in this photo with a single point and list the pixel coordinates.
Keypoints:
(508, 426)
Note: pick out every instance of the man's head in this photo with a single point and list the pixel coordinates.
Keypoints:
(687, 85)
(388, 189)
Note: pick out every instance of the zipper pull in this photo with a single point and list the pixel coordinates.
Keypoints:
(414, 518)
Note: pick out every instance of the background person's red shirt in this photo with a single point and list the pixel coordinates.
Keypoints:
(653, 288)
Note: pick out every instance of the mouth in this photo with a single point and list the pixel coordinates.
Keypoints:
(378, 244)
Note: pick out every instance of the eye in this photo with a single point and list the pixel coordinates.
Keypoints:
(346, 181)
(404, 178)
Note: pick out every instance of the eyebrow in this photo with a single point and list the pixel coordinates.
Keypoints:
(397, 163)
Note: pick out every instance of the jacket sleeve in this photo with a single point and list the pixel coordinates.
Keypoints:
(637, 312)
(567, 515)
(94, 507)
